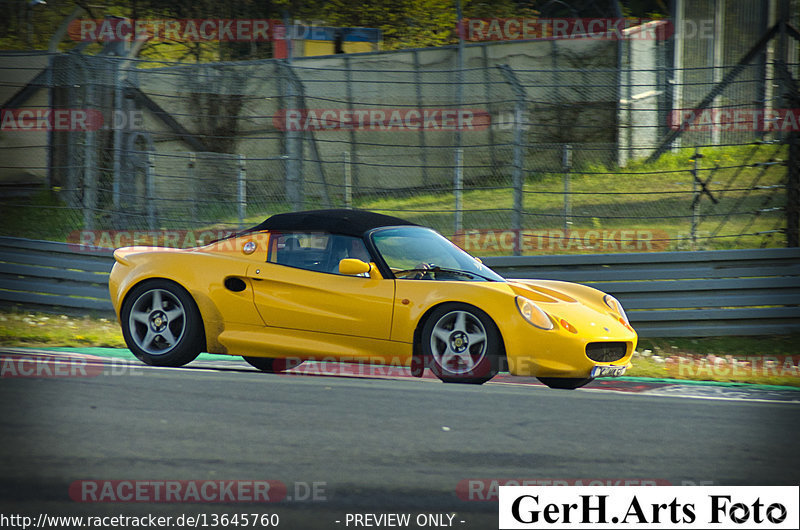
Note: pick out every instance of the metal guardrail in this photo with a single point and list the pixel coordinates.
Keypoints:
(54, 277)
(684, 294)
(666, 294)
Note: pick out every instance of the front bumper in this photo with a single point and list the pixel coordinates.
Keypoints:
(559, 353)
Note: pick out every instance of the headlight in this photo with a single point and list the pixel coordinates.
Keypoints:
(533, 314)
(615, 306)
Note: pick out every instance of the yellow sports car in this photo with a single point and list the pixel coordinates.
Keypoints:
(357, 286)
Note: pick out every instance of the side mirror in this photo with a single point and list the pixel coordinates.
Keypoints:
(353, 267)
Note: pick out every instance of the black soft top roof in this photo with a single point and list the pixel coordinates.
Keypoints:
(337, 221)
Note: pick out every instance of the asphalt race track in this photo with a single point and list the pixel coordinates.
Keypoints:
(342, 445)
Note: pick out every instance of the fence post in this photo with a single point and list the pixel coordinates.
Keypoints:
(718, 54)
(624, 93)
(518, 180)
(150, 190)
(348, 84)
(294, 155)
(348, 180)
(420, 103)
(695, 197)
(293, 144)
(458, 191)
(89, 170)
(241, 191)
(190, 176)
(89, 180)
(566, 164)
(487, 82)
(116, 130)
(675, 84)
(517, 176)
(458, 173)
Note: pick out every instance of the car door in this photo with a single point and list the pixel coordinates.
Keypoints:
(300, 288)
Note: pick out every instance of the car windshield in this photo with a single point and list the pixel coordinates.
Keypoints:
(409, 249)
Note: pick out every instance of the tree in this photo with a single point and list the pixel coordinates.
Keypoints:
(403, 23)
(409, 23)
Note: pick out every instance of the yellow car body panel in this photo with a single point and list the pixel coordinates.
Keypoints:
(292, 298)
(202, 273)
(529, 351)
(260, 341)
(590, 321)
(272, 315)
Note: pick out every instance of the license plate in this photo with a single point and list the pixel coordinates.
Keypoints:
(608, 371)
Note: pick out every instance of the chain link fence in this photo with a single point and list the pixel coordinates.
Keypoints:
(513, 148)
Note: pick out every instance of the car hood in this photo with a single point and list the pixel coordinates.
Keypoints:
(541, 291)
(575, 302)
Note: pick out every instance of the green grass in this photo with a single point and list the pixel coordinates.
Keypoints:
(648, 197)
(40, 329)
(653, 358)
(769, 360)
(42, 216)
(658, 196)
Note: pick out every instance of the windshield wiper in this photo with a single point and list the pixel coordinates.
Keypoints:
(445, 270)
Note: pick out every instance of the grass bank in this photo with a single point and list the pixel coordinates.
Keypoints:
(742, 209)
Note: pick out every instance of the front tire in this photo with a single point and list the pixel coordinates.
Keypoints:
(462, 344)
(161, 324)
(566, 383)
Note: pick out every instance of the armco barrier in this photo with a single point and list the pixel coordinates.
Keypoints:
(666, 294)
(684, 294)
(52, 277)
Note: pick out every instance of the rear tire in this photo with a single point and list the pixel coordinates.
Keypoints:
(462, 344)
(566, 383)
(161, 324)
(272, 365)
